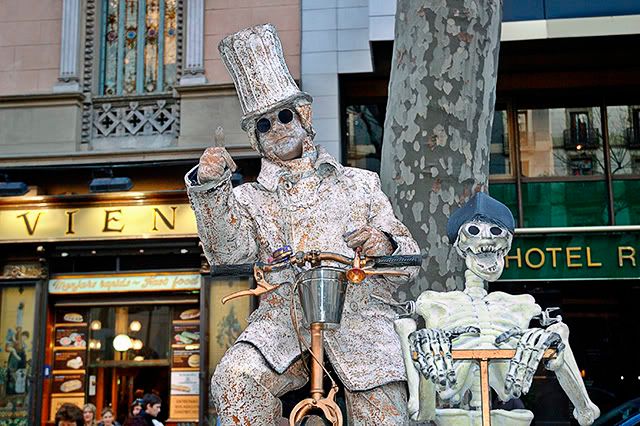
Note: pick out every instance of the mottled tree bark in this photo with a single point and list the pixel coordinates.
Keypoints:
(438, 125)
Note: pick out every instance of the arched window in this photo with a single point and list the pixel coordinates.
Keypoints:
(139, 40)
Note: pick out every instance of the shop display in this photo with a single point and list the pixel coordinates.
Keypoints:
(68, 383)
(69, 357)
(185, 364)
(190, 314)
(69, 360)
(16, 352)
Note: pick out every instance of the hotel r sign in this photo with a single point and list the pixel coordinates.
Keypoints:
(574, 256)
(97, 223)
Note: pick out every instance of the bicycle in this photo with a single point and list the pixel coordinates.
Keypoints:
(321, 291)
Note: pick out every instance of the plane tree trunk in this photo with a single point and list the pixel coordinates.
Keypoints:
(437, 130)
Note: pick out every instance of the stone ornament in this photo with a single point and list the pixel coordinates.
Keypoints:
(482, 232)
(256, 64)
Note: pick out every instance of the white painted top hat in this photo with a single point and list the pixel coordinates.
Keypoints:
(254, 59)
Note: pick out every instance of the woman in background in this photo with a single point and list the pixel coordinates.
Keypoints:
(89, 415)
(136, 407)
(107, 418)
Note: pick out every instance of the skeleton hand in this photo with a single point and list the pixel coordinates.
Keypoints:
(372, 241)
(531, 348)
(215, 160)
(431, 353)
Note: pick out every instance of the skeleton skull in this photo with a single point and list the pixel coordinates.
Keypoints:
(484, 245)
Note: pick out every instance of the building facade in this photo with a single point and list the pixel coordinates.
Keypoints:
(563, 158)
(104, 294)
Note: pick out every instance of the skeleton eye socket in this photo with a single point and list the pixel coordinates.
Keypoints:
(495, 230)
(473, 230)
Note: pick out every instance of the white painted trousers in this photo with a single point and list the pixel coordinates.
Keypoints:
(246, 392)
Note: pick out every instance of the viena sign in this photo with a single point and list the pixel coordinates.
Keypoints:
(97, 223)
(583, 256)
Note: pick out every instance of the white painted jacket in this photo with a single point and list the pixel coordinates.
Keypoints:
(310, 212)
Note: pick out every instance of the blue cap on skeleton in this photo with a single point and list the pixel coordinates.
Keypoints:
(480, 207)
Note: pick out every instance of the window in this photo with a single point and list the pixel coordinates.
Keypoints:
(560, 142)
(623, 123)
(365, 124)
(17, 320)
(226, 322)
(500, 162)
(139, 47)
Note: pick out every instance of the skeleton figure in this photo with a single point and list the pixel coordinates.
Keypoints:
(306, 199)
(474, 319)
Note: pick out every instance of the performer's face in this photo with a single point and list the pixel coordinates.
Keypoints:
(281, 134)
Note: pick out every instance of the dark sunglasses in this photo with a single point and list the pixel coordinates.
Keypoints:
(264, 124)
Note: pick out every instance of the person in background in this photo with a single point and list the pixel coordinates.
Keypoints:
(108, 418)
(89, 415)
(151, 404)
(69, 415)
(136, 407)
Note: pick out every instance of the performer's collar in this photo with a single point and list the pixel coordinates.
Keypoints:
(324, 164)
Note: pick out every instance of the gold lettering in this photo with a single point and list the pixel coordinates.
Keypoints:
(554, 251)
(30, 229)
(108, 218)
(517, 257)
(171, 225)
(631, 256)
(70, 214)
(591, 264)
(528, 261)
(571, 256)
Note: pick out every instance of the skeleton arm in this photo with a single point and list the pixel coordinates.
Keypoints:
(422, 392)
(226, 229)
(566, 369)
(530, 349)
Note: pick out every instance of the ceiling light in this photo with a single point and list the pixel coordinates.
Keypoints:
(96, 325)
(135, 326)
(12, 189)
(184, 251)
(137, 344)
(110, 184)
(122, 343)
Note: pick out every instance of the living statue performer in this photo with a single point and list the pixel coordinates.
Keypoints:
(304, 198)
(482, 231)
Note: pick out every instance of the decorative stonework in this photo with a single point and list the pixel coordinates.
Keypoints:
(69, 76)
(129, 122)
(134, 118)
(194, 64)
(24, 270)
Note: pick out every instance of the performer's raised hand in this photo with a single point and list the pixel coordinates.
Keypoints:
(215, 160)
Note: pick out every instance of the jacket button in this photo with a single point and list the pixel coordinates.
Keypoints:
(287, 185)
(353, 306)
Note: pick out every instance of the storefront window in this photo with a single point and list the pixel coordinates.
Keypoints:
(17, 314)
(112, 355)
(505, 193)
(365, 124)
(560, 142)
(226, 322)
(500, 158)
(624, 142)
(623, 123)
(571, 203)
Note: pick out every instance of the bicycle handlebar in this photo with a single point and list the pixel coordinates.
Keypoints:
(303, 257)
